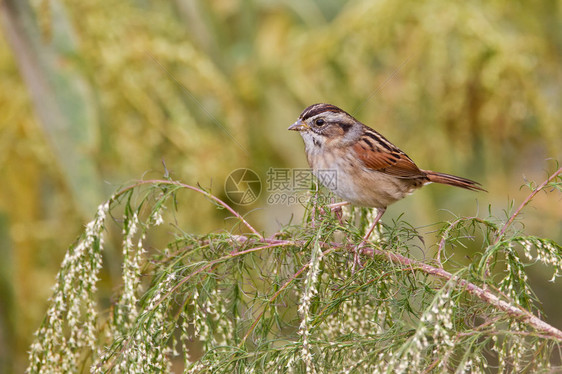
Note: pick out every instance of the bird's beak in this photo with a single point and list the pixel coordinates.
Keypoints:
(298, 126)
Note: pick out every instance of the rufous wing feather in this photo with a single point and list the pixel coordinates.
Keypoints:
(389, 160)
(379, 154)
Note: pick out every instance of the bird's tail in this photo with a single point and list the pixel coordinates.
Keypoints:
(453, 180)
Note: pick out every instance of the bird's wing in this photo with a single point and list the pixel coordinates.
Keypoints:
(379, 154)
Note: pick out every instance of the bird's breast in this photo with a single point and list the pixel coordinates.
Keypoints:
(348, 178)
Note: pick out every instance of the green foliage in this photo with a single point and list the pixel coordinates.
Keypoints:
(226, 303)
(98, 92)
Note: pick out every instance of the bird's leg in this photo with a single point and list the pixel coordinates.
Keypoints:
(337, 209)
(380, 212)
(357, 250)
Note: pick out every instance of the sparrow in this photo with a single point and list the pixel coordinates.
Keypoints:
(365, 168)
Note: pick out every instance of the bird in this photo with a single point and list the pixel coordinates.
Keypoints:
(361, 166)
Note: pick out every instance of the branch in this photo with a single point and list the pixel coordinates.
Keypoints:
(410, 264)
(472, 289)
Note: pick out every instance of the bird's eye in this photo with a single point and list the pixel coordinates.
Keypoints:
(319, 122)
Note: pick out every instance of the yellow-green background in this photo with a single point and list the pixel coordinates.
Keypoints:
(95, 94)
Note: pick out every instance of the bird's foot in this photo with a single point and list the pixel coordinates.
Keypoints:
(336, 208)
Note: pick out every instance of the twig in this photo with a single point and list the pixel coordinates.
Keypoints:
(201, 191)
(444, 238)
(448, 230)
(525, 202)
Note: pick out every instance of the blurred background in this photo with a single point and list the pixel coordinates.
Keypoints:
(97, 94)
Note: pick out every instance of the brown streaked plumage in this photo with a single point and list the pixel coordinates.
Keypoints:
(370, 170)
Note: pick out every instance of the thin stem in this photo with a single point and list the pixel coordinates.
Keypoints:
(444, 238)
(448, 230)
(201, 191)
(525, 202)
